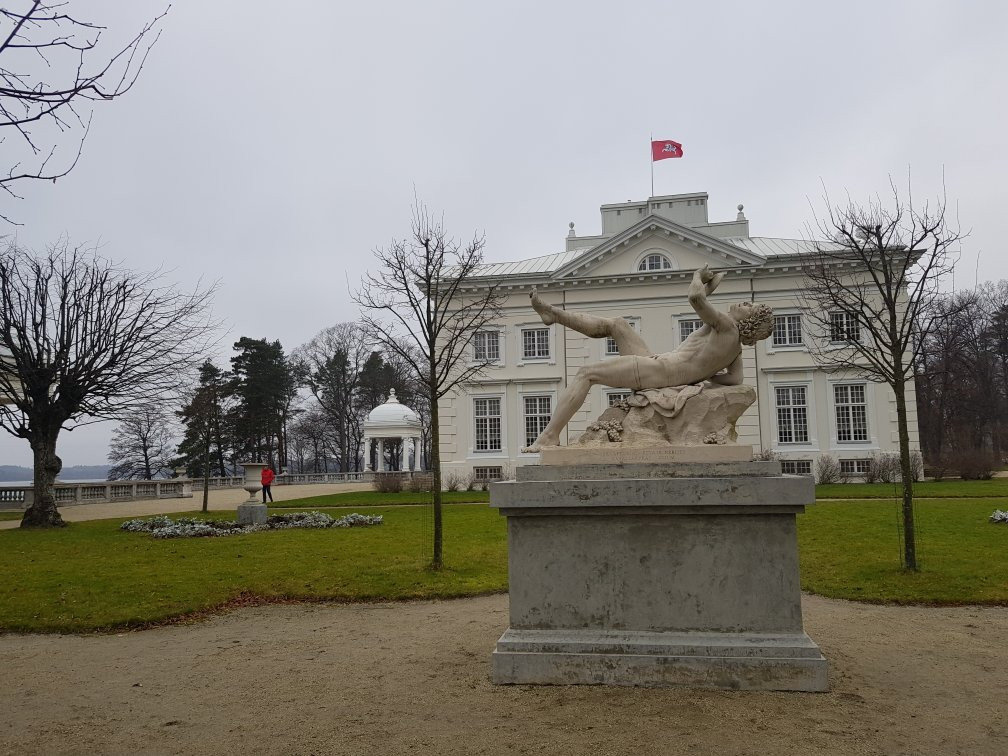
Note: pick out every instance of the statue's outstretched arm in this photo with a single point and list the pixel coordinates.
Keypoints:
(703, 284)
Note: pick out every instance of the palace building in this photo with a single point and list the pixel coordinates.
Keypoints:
(639, 267)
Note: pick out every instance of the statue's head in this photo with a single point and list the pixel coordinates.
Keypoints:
(755, 321)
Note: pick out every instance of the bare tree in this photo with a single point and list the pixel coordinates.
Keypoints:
(330, 365)
(416, 305)
(143, 445)
(53, 65)
(86, 341)
(870, 290)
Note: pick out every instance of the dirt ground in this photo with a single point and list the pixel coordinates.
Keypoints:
(414, 678)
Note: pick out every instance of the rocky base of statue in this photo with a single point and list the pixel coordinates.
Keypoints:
(660, 574)
(680, 416)
(251, 514)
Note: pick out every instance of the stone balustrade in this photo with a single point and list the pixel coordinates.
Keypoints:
(68, 494)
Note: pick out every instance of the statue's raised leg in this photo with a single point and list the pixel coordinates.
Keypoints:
(628, 341)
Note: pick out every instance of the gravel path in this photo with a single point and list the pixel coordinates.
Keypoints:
(413, 678)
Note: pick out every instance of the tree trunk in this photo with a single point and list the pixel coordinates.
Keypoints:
(43, 513)
(437, 562)
(909, 537)
(206, 471)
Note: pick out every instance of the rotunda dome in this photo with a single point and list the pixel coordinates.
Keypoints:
(392, 412)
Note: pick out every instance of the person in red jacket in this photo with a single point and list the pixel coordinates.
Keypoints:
(267, 478)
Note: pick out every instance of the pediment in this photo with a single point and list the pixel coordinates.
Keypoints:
(686, 248)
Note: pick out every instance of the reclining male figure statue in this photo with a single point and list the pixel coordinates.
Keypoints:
(715, 346)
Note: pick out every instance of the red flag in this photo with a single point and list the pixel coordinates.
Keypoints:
(665, 148)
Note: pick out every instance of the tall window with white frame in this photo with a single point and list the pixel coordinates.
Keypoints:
(851, 412)
(537, 415)
(535, 343)
(610, 343)
(487, 424)
(687, 326)
(486, 346)
(792, 415)
(844, 326)
(787, 330)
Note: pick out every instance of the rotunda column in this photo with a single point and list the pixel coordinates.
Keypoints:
(367, 454)
(380, 459)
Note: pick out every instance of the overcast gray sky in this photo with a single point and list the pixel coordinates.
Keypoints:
(273, 146)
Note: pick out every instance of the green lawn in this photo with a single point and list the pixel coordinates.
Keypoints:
(11, 515)
(375, 499)
(945, 489)
(93, 576)
(851, 550)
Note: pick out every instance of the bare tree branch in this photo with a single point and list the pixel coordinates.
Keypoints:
(871, 290)
(86, 340)
(416, 306)
(52, 67)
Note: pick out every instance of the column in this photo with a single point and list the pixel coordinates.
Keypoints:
(416, 454)
(380, 460)
(402, 454)
(367, 454)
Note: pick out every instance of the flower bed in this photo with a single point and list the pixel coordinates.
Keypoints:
(191, 527)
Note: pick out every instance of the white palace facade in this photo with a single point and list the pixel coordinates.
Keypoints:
(639, 267)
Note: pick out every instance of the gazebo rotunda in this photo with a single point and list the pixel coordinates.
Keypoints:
(392, 420)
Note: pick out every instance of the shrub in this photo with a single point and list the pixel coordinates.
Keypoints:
(917, 465)
(938, 466)
(452, 481)
(388, 482)
(882, 468)
(827, 470)
(974, 464)
(471, 482)
(766, 455)
(419, 482)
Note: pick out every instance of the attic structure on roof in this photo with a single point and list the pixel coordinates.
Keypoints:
(639, 268)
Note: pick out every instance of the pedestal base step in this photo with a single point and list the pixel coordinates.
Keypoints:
(735, 661)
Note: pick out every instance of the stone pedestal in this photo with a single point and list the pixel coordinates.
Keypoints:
(251, 513)
(656, 574)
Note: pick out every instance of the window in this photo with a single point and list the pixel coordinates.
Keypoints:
(535, 343)
(854, 466)
(655, 262)
(844, 326)
(486, 346)
(792, 415)
(488, 473)
(796, 466)
(487, 424)
(610, 342)
(537, 415)
(787, 330)
(851, 412)
(687, 326)
(615, 397)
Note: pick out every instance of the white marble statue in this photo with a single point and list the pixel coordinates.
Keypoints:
(711, 353)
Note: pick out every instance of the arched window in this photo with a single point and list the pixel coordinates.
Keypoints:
(655, 261)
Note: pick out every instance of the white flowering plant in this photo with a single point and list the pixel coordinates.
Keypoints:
(999, 516)
(191, 527)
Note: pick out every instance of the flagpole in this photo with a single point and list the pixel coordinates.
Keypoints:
(652, 163)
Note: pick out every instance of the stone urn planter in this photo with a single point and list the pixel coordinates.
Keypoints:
(252, 511)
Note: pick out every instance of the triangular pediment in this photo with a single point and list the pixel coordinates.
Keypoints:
(686, 248)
